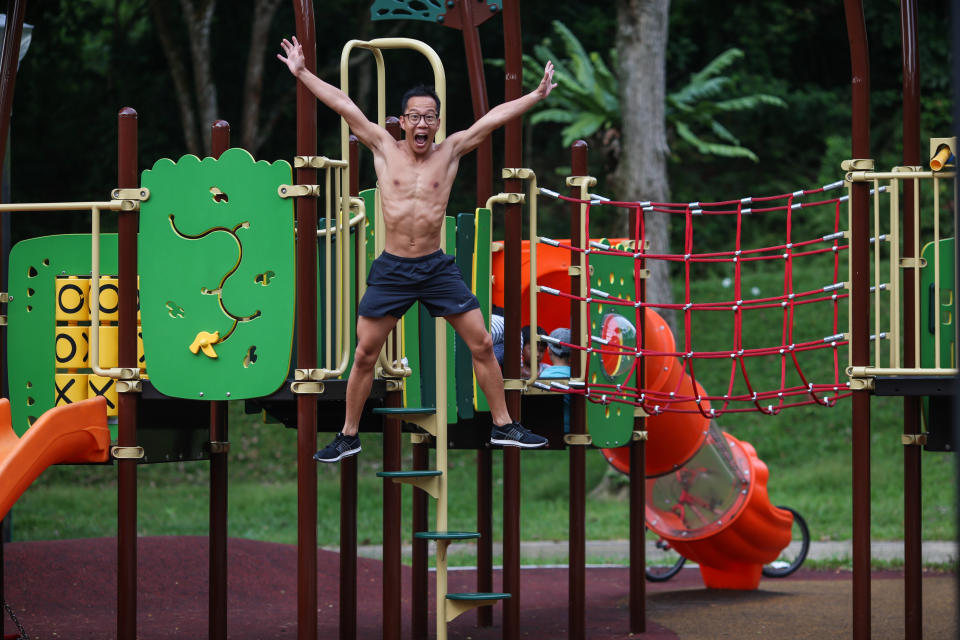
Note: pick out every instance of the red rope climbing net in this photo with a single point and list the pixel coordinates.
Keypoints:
(802, 368)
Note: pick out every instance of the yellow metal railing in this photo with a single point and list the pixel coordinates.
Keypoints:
(390, 360)
(901, 268)
(117, 373)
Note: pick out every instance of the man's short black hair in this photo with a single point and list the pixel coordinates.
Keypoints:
(417, 91)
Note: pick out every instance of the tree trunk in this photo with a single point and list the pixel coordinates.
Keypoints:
(263, 12)
(641, 43)
(199, 19)
(181, 79)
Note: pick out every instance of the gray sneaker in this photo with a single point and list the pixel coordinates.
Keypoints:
(341, 447)
(514, 435)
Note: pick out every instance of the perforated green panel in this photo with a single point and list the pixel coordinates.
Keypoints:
(31, 351)
(217, 276)
(611, 424)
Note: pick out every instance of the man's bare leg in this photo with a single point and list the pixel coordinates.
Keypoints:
(470, 326)
(371, 334)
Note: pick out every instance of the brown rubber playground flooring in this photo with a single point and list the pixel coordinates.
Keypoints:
(67, 590)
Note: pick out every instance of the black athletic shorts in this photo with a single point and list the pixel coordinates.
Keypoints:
(395, 283)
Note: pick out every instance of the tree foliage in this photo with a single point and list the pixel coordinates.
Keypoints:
(88, 59)
(587, 99)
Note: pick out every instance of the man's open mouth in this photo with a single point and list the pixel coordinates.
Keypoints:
(420, 138)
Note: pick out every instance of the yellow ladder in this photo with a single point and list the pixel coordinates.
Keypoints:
(434, 482)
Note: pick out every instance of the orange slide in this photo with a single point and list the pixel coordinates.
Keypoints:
(72, 433)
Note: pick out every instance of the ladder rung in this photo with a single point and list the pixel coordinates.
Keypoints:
(405, 411)
(459, 603)
(478, 596)
(446, 535)
(409, 474)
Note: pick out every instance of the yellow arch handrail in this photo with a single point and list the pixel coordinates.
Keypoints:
(388, 360)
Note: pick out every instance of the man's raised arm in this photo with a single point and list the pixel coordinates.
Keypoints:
(371, 135)
(469, 139)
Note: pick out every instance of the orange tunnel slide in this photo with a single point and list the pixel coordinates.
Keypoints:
(72, 433)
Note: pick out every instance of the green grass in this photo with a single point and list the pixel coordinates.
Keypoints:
(807, 450)
(808, 456)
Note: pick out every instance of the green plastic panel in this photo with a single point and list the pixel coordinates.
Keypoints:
(31, 316)
(928, 316)
(451, 244)
(217, 276)
(482, 260)
(464, 359)
(611, 425)
(426, 10)
(428, 361)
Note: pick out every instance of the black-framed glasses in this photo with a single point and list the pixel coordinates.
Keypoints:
(414, 118)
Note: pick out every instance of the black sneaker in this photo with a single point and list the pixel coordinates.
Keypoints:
(341, 447)
(514, 435)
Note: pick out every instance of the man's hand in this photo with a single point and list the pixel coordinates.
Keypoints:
(294, 59)
(547, 84)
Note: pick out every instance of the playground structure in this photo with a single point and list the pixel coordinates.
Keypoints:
(347, 239)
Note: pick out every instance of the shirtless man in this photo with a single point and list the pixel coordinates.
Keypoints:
(415, 176)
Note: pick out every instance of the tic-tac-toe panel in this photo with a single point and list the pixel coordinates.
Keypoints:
(48, 351)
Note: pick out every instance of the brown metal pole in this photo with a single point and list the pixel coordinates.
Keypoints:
(912, 470)
(638, 494)
(391, 523)
(418, 578)
(512, 301)
(348, 548)
(485, 529)
(478, 93)
(860, 315)
(577, 541)
(392, 438)
(392, 447)
(306, 262)
(348, 502)
(127, 402)
(9, 60)
(217, 611)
